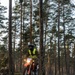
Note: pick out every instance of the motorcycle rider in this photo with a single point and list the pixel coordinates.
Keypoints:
(32, 53)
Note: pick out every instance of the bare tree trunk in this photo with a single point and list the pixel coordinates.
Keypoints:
(68, 60)
(41, 63)
(62, 67)
(64, 39)
(14, 47)
(30, 21)
(45, 29)
(21, 41)
(55, 58)
(74, 61)
(58, 37)
(11, 72)
(48, 69)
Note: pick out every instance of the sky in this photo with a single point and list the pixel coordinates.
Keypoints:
(6, 3)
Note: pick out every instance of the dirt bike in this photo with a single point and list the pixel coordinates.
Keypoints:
(30, 67)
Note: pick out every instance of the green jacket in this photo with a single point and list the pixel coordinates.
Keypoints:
(32, 54)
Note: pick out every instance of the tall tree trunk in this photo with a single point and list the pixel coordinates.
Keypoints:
(55, 58)
(11, 71)
(21, 41)
(64, 39)
(74, 61)
(58, 37)
(41, 40)
(14, 46)
(45, 30)
(68, 61)
(23, 25)
(50, 54)
(45, 39)
(31, 21)
(62, 67)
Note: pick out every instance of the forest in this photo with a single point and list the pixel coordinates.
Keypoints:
(49, 25)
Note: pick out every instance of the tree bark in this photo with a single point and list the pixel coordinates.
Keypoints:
(58, 37)
(21, 41)
(11, 71)
(31, 21)
(41, 39)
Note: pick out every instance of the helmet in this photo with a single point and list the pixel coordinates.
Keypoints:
(31, 46)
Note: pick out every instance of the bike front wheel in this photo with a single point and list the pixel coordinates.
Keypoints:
(25, 72)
